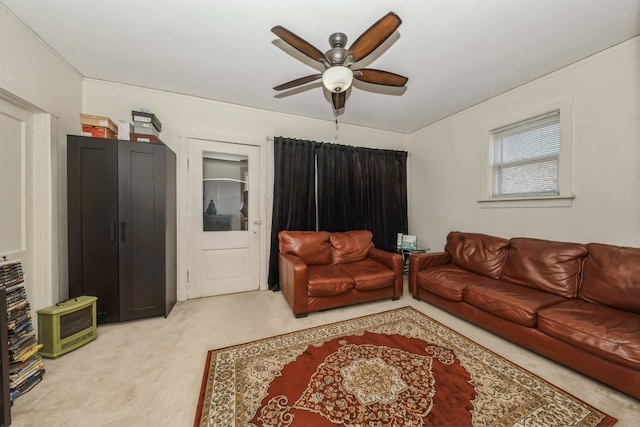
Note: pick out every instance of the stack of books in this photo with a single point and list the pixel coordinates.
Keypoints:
(146, 127)
(98, 126)
(26, 368)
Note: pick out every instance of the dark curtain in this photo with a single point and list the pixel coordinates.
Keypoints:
(339, 208)
(294, 206)
(358, 189)
(363, 188)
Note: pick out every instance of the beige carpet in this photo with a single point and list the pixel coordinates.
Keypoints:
(397, 368)
(148, 372)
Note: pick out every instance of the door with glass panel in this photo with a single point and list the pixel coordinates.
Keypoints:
(224, 226)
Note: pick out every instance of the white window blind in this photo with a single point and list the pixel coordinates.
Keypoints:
(526, 157)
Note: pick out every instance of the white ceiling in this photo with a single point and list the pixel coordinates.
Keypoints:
(456, 53)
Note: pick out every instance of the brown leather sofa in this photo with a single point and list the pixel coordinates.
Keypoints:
(578, 304)
(321, 270)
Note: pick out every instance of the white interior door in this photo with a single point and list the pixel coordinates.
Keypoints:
(224, 224)
(16, 188)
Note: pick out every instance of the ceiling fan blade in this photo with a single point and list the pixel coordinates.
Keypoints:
(300, 44)
(374, 36)
(298, 82)
(338, 99)
(380, 77)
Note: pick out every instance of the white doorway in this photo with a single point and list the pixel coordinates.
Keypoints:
(27, 216)
(16, 191)
(224, 225)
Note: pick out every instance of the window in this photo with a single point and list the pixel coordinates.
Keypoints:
(526, 157)
(225, 179)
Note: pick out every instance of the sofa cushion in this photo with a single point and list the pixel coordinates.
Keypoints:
(327, 280)
(312, 247)
(350, 246)
(612, 277)
(479, 253)
(369, 274)
(518, 304)
(610, 333)
(546, 265)
(448, 281)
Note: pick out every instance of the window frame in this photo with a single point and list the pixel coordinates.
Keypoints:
(565, 193)
(500, 145)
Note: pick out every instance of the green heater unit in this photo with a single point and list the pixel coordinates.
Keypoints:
(67, 325)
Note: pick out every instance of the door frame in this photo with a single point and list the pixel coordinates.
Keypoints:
(183, 201)
(43, 279)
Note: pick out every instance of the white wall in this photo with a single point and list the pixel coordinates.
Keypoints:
(33, 73)
(37, 80)
(446, 160)
(186, 116)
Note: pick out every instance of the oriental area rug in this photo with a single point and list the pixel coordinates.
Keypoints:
(396, 368)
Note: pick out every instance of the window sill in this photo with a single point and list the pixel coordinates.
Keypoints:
(528, 202)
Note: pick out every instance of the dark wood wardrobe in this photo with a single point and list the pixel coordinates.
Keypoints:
(122, 226)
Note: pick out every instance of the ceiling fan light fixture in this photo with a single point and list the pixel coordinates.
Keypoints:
(337, 78)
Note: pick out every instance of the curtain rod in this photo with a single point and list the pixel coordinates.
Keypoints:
(270, 139)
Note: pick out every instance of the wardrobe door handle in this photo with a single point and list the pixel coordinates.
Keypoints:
(114, 226)
(122, 231)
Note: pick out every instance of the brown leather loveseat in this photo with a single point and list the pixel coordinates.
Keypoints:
(578, 304)
(321, 270)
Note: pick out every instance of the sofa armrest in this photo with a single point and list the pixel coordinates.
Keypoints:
(294, 282)
(419, 262)
(392, 261)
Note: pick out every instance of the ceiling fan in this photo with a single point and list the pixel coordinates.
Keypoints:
(337, 61)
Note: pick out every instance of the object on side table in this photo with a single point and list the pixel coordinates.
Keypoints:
(409, 242)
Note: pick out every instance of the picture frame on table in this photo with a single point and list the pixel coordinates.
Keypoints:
(409, 242)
